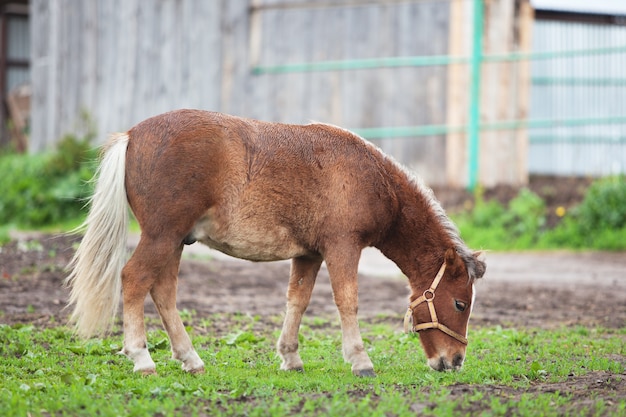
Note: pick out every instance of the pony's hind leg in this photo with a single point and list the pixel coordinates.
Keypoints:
(136, 283)
(164, 296)
(301, 282)
(145, 266)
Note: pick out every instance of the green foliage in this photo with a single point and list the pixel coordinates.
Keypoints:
(604, 206)
(599, 222)
(47, 372)
(46, 188)
(526, 216)
(518, 226)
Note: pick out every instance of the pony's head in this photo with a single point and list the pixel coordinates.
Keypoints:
(440, 311)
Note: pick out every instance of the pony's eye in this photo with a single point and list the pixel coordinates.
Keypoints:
(460, 305)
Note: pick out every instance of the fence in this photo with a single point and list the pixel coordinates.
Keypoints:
(576, 117)
(344, 80)
(462, 91)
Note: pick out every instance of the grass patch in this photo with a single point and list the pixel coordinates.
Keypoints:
(598, 222)
(44, 189)
(48, 372)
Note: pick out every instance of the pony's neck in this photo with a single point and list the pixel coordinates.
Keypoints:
(420, 236)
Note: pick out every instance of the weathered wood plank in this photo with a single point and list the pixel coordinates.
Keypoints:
(124, 60)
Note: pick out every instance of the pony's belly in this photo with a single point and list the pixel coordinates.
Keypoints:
(249, 240)
(254, 252)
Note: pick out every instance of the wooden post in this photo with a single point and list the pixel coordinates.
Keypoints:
(505, 93)
(18, 102)
(457, 95)
(526, 17)
(504, 89)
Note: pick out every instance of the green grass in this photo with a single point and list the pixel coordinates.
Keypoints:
(48, 372)
(598, 222)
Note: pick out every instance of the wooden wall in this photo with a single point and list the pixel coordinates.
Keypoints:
(121, 61)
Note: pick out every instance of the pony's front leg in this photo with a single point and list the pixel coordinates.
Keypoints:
(164, 296)
(301, 282)
(343, 268)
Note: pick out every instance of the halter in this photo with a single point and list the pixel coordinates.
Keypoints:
(428, 297)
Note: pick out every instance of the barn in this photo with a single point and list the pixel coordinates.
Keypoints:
(464, 92)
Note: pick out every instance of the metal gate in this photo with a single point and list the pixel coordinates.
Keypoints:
(569, 114)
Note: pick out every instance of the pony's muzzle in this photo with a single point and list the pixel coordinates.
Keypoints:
(442, 363)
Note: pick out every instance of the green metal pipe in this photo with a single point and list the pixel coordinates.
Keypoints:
(550, 123)
(407, 131)
(473, 126)
(426, 61)
(579, 81)
(359, 64)
(434, 130)
(572, 53)
(578, 140)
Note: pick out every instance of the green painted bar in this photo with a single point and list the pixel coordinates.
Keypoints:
(424, 61)
(434, 130)
(578, 81)
(579, 140)
(407, 131)
(548, 123)
(359, 64)
(473, 126)
(572, 53)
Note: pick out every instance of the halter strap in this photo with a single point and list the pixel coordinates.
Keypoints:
(428, 296)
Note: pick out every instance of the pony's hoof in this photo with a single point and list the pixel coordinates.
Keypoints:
(294, 369)
(197, 371)
(364, 373)
(147, 372)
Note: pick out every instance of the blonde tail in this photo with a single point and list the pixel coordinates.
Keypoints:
(95, 277)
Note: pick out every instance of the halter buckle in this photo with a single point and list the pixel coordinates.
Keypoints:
(429, 295)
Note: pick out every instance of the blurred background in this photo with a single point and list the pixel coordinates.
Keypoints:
(464, 92)
(514, 111)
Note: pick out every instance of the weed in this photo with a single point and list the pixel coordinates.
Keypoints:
(599, 222)
(46, 188)
(49, 372)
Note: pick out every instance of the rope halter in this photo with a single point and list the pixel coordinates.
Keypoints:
(428, 297)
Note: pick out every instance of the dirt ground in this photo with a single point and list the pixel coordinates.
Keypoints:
(519, 290)
(544, 290)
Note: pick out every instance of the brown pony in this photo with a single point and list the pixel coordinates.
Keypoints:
(266, 191)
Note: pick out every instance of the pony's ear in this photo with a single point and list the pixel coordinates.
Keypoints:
(455, 264)
(480, 265)
(450, 256)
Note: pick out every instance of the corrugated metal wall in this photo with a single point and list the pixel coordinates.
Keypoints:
(576, 88)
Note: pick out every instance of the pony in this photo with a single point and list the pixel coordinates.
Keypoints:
(265, 191)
